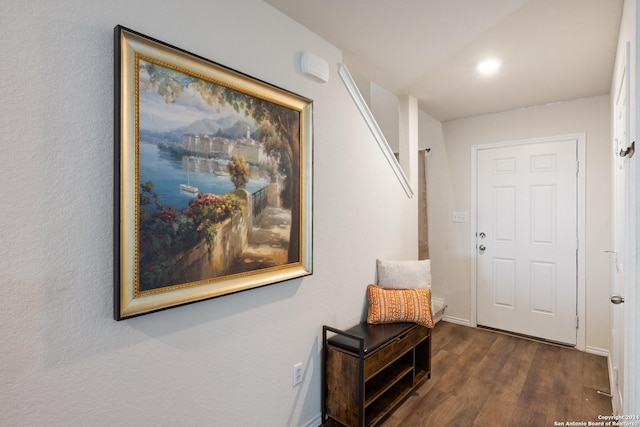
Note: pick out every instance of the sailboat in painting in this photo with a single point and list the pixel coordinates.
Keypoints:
(188, 188)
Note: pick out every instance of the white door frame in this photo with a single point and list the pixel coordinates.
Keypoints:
(581, 299)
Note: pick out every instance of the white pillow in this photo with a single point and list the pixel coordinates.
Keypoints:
(404, 274)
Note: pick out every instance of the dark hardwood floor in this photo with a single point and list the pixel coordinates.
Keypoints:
(483, 378)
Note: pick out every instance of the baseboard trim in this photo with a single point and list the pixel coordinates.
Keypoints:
(457, 320)
(615, 400)
(317, 421)
(597, 351)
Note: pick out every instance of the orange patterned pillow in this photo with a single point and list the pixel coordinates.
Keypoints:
(400, 305)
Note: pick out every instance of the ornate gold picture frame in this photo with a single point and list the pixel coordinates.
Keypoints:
(213, 179)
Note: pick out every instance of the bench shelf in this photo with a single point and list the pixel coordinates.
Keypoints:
(370, 369)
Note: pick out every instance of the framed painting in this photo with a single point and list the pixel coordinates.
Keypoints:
(212, 178)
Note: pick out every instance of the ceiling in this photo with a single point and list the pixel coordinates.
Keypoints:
(551, 50)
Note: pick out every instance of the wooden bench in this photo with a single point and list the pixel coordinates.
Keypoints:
(370, 369)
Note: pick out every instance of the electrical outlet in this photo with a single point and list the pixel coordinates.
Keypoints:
(297, 374)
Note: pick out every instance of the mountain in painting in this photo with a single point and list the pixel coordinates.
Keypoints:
(227, 127)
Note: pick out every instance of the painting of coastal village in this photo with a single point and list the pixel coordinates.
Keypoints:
(218, 180)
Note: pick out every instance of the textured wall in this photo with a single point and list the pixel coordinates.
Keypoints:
(223, 362)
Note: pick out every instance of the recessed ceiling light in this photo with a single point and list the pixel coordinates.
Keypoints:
(488, 66)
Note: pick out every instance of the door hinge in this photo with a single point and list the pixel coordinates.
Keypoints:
(577, 167)
(577, 322)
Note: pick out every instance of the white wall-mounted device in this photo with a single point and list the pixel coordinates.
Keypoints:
(315, 67)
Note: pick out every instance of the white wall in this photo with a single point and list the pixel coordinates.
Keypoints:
(384, 106)
(449, 245)
(227, 361)
(440, 205)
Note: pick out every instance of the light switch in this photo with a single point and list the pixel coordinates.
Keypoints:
(459, 217)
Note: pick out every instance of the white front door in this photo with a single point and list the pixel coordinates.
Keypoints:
(527, 237)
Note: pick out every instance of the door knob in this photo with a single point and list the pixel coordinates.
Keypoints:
(482, 248)
(617, 299)
(482, 235)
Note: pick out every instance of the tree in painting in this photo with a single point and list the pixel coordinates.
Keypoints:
(239, 170)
